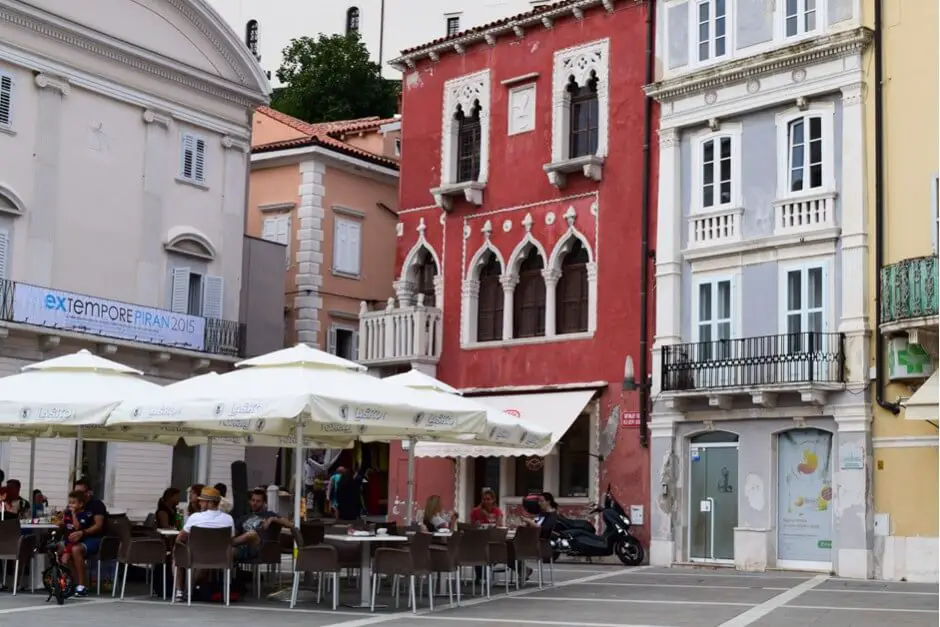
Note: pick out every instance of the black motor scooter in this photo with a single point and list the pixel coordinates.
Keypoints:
(578, 538)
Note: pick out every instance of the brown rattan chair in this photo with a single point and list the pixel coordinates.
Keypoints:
(16, 548)
(529, 545)
(269, 555)
(315, 558)
(137, 552)
(474, 551)
(499, 552)
(413, 562)
(444, 560)
(205, 549)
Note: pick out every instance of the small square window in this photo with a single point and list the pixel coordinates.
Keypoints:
(453, 25)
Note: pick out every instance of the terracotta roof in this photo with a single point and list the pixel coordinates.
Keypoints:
(327, 135)
(486, 32)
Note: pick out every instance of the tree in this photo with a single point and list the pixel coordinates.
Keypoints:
(332, 78)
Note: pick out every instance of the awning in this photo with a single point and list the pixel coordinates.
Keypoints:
(924, 404)
(553, 411)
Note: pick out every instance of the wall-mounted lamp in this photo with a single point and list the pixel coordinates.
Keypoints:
(629, 376)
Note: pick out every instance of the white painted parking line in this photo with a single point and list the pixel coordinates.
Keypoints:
(641, 601)
(466, 619)
(72, 603)
(247, 608)
(861, 591)
(727, 575)
(690, 586)
(842, 608)
(756, 613)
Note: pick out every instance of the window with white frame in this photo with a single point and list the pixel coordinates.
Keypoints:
(347, 246)
(193, 158)
(716, 169)
(343, 342)
(806, 158)
(714, 318)
(800, 17)
(466, 128)
(581, 91)
(277, 229)
(712, 33)
(4, 254)
(196, 294)
(804, 299)
(6, 100)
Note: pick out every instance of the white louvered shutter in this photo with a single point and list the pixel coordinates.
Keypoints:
(269, 230)
(179, 296)
(331, 341)
(4, 254)
(353, 246)
(199, 170)
(6, 100)
(355, 346)
(187, 156)
(282, 234)
(339, 246)
(212, 297)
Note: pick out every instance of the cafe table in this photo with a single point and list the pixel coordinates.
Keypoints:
(365, 562)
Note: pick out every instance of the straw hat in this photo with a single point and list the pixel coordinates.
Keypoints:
(210, 494)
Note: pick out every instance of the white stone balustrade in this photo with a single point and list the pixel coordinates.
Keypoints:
(400, 334)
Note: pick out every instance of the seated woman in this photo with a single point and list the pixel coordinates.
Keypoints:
(40, 503)
(434, 518)
(546, 516)
(166, 514)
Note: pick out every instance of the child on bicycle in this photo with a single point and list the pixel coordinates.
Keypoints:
(76, 518)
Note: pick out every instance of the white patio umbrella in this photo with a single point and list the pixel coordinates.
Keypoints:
(501, 428)
(305, 393)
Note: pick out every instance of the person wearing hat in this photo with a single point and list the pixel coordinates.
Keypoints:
(209, 516)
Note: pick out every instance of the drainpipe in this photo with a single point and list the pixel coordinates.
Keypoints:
(643, 379)
(381, 33)
(894, 408)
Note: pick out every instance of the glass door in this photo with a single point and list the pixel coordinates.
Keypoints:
(713, 499)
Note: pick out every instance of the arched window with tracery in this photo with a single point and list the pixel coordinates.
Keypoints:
(571, 295)
(529, 297)
(490, 301)
(251, 38)
(425, 273)
(584, 124)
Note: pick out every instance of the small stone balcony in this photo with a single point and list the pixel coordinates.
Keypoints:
(400, 334)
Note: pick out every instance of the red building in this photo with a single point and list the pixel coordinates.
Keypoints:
(520, 250)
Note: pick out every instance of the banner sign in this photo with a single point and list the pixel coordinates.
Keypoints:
(804, 515)
(86, 314)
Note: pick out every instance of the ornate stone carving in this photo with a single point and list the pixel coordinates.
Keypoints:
(58, 83)
(155, 117)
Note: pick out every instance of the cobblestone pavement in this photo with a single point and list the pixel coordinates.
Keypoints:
(583, 595)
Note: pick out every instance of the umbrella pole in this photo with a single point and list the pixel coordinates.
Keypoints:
(208, 461)
(79, 454)
(409, 517)
(298, 472)
(32, 473)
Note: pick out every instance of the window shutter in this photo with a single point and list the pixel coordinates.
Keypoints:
(269, 230)
(355, 346)
(212, 297)
(354, 254)
(283, 234)
(6, 100)
(331, 341)
(179, 297)
(199, 170)
(339, 246)
(4, 254)
(187, 156)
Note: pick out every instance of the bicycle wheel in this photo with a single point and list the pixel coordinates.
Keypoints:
(58, 582)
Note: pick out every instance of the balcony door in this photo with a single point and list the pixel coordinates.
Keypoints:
(713, 497)
(713, 329)
(805, 323)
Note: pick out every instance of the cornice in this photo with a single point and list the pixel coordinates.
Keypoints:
(814, 51)
(82, 38)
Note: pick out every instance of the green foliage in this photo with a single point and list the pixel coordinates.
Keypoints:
(332, 78)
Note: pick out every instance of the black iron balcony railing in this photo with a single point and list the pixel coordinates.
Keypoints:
(52, 309)
(792, 358)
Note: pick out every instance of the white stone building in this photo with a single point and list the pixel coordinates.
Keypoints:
(387, 26)
(124, 136)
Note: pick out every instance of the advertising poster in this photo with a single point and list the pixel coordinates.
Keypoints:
(804, 508)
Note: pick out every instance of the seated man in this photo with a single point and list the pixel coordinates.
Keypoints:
(86, 542)
(248, 530)
(210, 517)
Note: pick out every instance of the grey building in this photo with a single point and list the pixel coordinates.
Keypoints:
(761, 412)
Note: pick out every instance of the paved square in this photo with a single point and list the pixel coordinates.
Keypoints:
(583, 596)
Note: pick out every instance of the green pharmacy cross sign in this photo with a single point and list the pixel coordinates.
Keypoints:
(913, 357)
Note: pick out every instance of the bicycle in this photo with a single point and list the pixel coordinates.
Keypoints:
(57, 579)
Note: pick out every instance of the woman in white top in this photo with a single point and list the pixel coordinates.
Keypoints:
(434, 518)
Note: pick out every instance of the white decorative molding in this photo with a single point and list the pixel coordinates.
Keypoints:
(46, 81)
(522, 109)
(157, 117)
(17, 206)
(189, 241)
(406, 284)
(464, 92)
(231, 143)
(515, 259)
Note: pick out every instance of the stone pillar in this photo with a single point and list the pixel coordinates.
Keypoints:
(43, 213)
(668, 256)
(854, 202)
(551, 277)
(592, 295)
(853, 518)
(151, 263)
(470, 297)
(509, 283)
(234, 204)
(309, 256)
(664, 489)
(405, 292)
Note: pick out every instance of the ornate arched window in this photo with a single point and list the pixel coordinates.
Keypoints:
(425, 273)
(469, 134)
(571, 295)
(490, 303)
(583, 128)
(528, 313)
(352, 20)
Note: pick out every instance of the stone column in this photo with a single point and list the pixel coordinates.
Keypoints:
(43, 213)
(664, 502)
(668, 257)
(853, 526)
(592, 295)
(551, 277)
(509, 283)
(234, 204)
(308, 301)
(151, 263)
(405, 292)
(470, 295)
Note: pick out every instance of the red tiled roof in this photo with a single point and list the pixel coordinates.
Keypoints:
(477, 33)
(327, 135)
